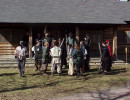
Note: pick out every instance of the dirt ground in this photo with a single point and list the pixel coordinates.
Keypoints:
(120, 93)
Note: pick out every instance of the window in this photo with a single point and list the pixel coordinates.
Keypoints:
(128, 37)
(124, 0)
(121, 37)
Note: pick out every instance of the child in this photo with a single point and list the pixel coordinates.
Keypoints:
(77, 59)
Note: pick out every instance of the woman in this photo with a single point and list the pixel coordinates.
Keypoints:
(105, 59)
(71, 66)
(45, 58)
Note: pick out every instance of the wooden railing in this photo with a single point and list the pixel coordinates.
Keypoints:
(123, 52)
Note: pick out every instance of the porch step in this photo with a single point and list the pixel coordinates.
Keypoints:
(12, 63)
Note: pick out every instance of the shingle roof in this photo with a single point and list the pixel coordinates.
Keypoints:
(64, 11)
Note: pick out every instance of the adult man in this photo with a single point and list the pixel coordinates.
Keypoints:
(87, 43)
(56, 60)
(110, 52)
(105, 59)
(20, 55)
(109, 47)
(61, 44)
(37, 55)
(71, 40)
(85, 61)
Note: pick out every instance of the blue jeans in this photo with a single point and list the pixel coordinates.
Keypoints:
(21, 66)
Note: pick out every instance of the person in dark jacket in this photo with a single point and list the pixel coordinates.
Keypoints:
(105, 59)
(87, 43)
(110, 52)
(25, 39)
(37, 55)
(45, 57)
(85, 61)
(61, 44)
(77, 59)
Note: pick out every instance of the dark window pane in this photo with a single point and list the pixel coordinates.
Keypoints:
(121, 37)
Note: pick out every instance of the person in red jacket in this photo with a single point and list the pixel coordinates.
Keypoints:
(110, 52)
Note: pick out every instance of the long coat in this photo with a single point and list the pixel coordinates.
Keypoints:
(106, 59)
(45, 54)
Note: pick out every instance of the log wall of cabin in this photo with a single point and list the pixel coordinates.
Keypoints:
(9, 39)
(108, 35)
(123, 44)
(96, 36)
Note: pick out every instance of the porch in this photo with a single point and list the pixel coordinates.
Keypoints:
(11, 34)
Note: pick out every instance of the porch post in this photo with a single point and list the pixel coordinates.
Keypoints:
(115, 42)
(30, 42)
(77, 33)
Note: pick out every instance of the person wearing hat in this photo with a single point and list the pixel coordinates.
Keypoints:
(109, 47)
(20, 55)
(71, 40)
(55, 53)
(37, 55)
(105, 59)
(110, 52)
(87, 43)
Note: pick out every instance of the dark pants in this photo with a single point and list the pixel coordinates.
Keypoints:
(38, 64)
(21, 66)
(44, 66)
(77, 68)
(86, 63)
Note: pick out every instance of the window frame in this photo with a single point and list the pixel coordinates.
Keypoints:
(123, 0)
(127, 37)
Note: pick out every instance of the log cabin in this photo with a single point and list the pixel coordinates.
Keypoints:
(101, 19)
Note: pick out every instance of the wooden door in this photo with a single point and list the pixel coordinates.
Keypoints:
(95, 37)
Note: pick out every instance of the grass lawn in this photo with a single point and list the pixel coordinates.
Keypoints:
(40, 87)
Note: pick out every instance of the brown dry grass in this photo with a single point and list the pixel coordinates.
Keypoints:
(38, 87)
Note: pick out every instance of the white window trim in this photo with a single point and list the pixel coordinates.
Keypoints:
(123, 0)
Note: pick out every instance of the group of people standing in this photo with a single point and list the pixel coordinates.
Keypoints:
(62, 52)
